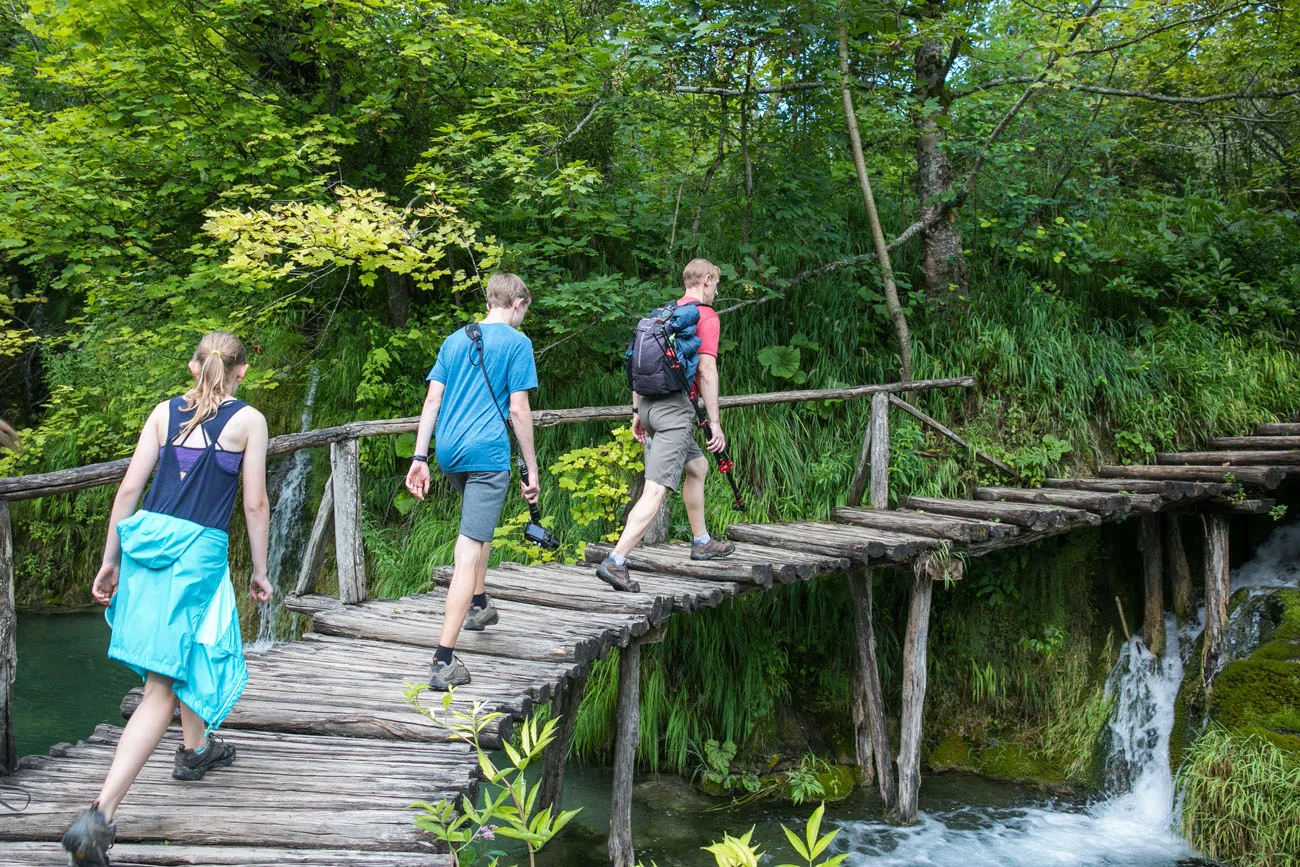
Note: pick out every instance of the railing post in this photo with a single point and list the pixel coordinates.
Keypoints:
(1153, 612)
(313, 557)
(1180, 574)
(1216, 593)
(8, 644)
(880, 450)
(345, 464)
(627, 733)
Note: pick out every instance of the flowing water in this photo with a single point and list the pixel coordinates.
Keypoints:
(286, 535)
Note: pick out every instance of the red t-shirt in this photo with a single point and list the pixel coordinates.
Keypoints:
(708, 329)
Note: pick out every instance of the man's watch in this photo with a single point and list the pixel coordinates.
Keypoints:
(424, 459)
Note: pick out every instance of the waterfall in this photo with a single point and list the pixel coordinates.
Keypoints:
(1145, 687)
(286, 531)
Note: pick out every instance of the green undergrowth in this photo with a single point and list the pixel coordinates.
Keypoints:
(1240, 775)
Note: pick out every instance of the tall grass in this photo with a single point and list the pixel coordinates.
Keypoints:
(1239, 800)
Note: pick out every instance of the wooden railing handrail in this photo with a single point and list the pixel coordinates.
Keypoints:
(109, 472)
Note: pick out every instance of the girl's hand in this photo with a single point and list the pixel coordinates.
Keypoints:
(105, 584)
(259, 588)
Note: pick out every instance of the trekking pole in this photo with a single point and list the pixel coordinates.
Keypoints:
(725, 464)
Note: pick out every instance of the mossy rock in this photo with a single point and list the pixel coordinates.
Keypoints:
(952, 754)
(1013, 762)
(1257, 691)
(837, 783)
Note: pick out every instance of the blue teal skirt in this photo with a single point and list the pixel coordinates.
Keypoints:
(174, 612)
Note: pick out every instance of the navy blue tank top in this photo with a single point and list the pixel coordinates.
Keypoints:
(206, 494)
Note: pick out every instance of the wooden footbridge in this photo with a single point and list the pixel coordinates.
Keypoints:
(331, 755)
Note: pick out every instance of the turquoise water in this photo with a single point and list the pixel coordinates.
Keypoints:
(65, 685)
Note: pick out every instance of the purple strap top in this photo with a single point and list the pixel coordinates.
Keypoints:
(196, 484)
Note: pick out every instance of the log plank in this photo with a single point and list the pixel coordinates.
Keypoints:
(1232, 443)
(1249, 457)
(1027, 515)
(1092, 501)
(1267, 478)
(166, 855)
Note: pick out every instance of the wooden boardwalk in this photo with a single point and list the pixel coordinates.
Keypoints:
(330, 755)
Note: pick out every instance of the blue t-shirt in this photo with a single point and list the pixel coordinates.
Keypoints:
(471, 436)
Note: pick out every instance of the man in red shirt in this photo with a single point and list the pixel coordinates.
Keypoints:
(665, 426)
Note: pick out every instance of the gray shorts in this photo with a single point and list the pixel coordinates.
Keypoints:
(670, 442)
(482, 496)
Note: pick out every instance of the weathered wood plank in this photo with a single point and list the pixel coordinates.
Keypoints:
(1027, 515)
(1249, 506)
(1251, 457)
(879, 488)
(627, 734)
(1180, 573)
(1216, 594)
(313, 556)
(916, 523)
(676, 559)
(556, 586)
(349, 551)
(1275, 429)
(1091, 501)
(1233, 443)
(915, 643)
(1153, 616)
(1170, 491)
(167, 855)
(871, 733)
(856, 543)
(1267, 478)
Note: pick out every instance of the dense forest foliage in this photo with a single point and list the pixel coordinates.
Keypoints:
(1091, 208)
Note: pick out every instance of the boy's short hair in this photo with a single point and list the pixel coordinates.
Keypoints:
(503, 290)
(699, 270)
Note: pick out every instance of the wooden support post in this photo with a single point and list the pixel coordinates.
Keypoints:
(914, 649)
(565, 706)
(1153, 617)
(1180, 573)
(627, 734)
(313, 557)
(345, 465)
(858, 486)
(880, 451)
(1216, 593)
(871, 737)
(8, 644)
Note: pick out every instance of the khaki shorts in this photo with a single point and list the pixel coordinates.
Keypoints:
(670, 443)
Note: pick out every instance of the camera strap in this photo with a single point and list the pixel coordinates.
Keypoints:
(475, 335)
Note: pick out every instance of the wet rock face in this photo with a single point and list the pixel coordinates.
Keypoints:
(1258, 691)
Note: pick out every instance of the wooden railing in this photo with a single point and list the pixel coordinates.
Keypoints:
(340, 507)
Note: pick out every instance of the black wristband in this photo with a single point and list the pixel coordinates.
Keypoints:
(424, 459)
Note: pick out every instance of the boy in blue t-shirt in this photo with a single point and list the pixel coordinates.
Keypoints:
(475, 386)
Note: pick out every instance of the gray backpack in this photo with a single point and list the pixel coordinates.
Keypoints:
(664, 352)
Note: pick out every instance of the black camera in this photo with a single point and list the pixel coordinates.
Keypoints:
(534, 531)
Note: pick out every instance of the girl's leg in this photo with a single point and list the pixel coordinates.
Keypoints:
(143, 732)
(192, 727)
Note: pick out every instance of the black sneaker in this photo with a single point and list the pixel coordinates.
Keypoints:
(190, 765)
(89, 838)
(443, 677)
(479, 618)
(617, 576)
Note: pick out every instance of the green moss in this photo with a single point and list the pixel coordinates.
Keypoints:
(1257, 692)
(952, 754)
(1289, 628)
(837, 782)
(1014, 762)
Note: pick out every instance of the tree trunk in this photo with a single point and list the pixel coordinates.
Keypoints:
(565, 706)
(914, 682)
(1180, 573)
(896, 315)
(8, 643)
(871, 736)
(399, 298)
(627, 733)
(1153, 612)
(1216, 594)
(944, 262)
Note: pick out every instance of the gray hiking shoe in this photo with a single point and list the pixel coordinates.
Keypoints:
(479, 619)
(714, 549)
(89, 838)
(617, 576)
(191, 765)
(444, 677)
